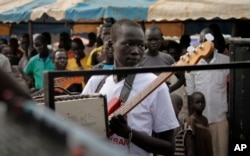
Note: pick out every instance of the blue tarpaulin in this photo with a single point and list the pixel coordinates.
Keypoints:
(15, 11)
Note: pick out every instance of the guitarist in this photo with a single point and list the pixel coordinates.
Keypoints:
(133, 132)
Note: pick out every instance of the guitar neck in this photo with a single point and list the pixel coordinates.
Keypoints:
(130, 104)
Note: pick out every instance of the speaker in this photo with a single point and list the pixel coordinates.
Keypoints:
(239, 94)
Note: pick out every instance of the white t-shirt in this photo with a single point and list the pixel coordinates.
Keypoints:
(154, 113)
(5, 63)
(213, 84)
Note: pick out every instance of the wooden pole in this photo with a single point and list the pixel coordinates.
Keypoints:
(31, 34)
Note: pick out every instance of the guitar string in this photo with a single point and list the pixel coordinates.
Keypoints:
(152, 86)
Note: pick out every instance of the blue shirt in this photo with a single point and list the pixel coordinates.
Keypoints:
(108, 66)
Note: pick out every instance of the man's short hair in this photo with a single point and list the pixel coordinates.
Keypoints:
(41, 38)
(79, 42)
(47, 36)
(53, 56)
(116, 28)
(110, 20)
(25, 35)
(154, 28)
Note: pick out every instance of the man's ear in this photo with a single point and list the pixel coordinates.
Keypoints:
(110, 44)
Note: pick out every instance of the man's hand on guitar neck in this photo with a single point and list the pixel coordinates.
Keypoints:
(118, 125)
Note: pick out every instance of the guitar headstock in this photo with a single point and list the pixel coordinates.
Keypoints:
(192, 57)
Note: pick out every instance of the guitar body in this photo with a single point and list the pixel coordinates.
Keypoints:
(113, 105)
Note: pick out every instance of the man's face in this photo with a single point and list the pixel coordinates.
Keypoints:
(7, 52)
(153, 40)
(25, 44)
(129, 47)
(61, 60)
(40, 46)
(105, 34)
(108, 51)
(198, 103)
(77, 50)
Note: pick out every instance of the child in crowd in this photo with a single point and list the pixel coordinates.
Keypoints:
(184, 144)
(199, 124)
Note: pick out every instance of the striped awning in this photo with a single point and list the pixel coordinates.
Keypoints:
(15, 11)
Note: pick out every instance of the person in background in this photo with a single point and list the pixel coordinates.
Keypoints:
(199, 123)
(79, 62)
(92, 43)
(6, 50)
(219, 41)
(5, 63)
(153, 57)
(184, 141)
(96, 54)
(71, 84)
(65, 43)
(108, 62)
(184, 43)
(133, 134)
(27, 49)
(24, 44)
(40, 62)
(174, 49)
(213, 84)
(14, 46)
(60, 59)
(109, 20)
(48, 38)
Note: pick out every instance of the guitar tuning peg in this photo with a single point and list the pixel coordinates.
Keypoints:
(209, 37)
(201, 46)
(185, 59)
(182, 58)
(190, 49)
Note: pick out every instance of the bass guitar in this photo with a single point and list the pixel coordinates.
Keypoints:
(115, 107)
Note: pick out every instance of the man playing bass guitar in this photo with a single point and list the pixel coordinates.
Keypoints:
(133, 133)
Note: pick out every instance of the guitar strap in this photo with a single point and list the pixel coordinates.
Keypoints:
(101, 83)
(127, 87)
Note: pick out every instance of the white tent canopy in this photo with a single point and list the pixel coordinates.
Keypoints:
(195, 9)
(15, 11)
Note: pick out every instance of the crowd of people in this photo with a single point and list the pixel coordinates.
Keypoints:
(190, 122)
